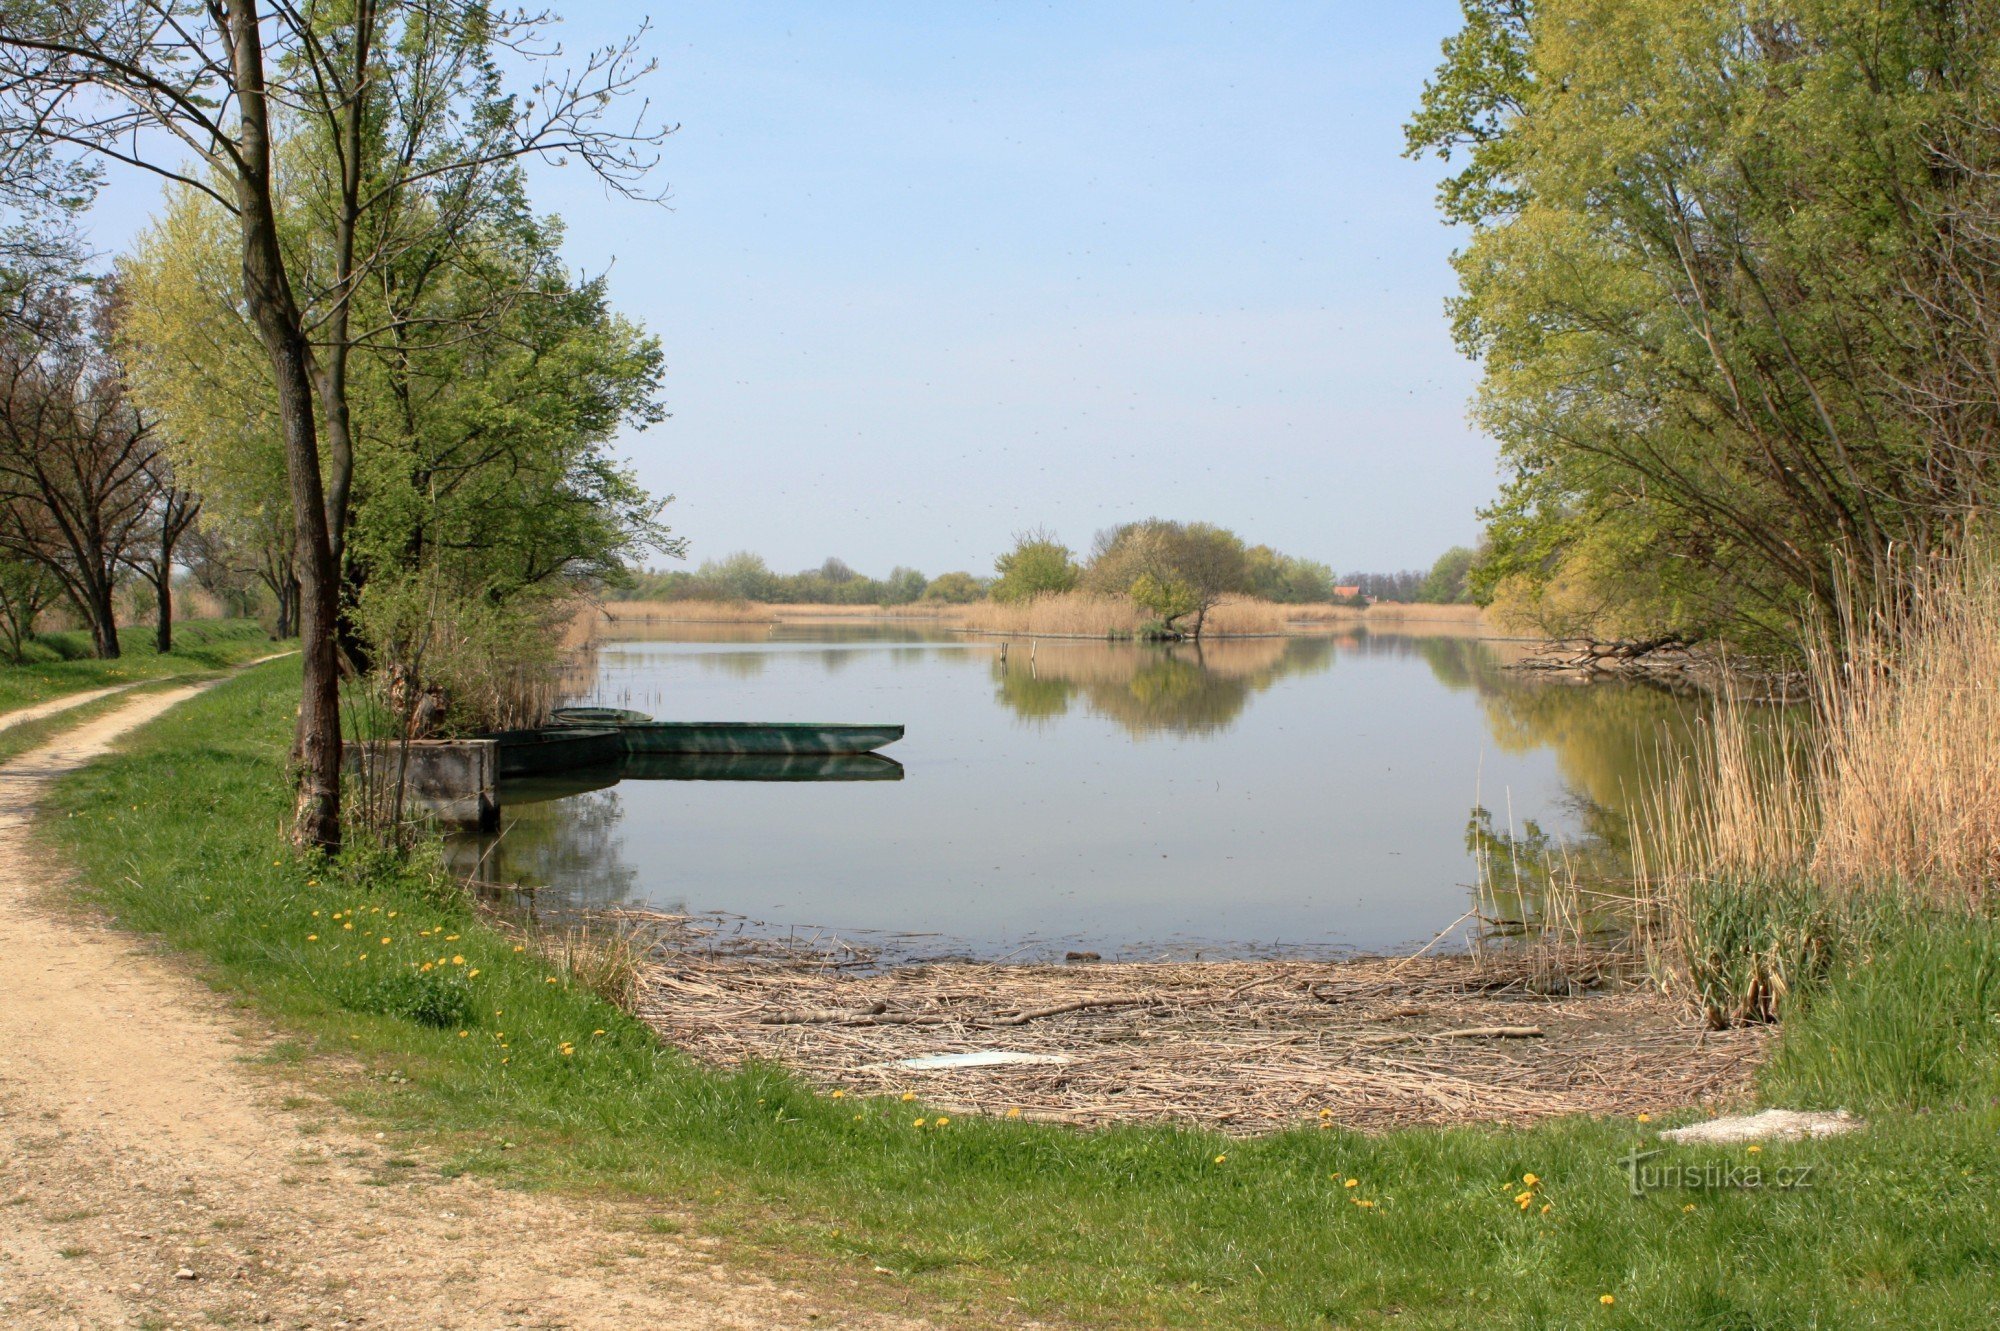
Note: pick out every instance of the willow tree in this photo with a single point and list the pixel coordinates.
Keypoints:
(1696, 231)
(203, 91)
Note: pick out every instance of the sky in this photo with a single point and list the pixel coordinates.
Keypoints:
(934, 274)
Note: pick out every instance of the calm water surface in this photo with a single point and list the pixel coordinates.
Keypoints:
(1288, 794)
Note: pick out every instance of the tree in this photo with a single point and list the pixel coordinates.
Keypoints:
(75, 453)
(1449, 581)
(954, 589)
(903, 585)
(1726, 278)
(170, 514)
(26, 589)
(1286, 579)
(1173, 569)
(1038, 565)
(160, 84)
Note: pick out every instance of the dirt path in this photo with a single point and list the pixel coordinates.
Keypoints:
(148, 1179)
(20, 716)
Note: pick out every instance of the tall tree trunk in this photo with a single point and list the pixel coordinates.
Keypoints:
(163, 588)
(102, 615)
(316, 742)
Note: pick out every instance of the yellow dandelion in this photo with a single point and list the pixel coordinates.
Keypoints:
(348, 925)
(1532, 1180)
(1753, 1150)
(458, 961)
(427, 966)
(474, 971)
(550, 980)
(451, 938)
(463, 1034)
(362, 957)
(1364, 1203)
(859, 1117)
(840, 1095)
(943, 1121)
(909, 1096)
(1606, 1299)
(1221, 1158)
(1524, 1200)
(1326, 1113)
(312, 938)
(1645, 1118)
(1686, 1209)
(1548, 1207)
(1352, 1183)
(598, 1031)
(518, 947)
(1014, 1113)
(315, 915)
(392, 914)
(918, 1124)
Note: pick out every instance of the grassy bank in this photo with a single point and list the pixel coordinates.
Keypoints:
(60, 663)
(502, 1072)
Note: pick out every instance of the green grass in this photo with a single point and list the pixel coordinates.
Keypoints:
(980, 1219)
(60, 663)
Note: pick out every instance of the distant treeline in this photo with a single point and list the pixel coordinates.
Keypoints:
(1264, 573)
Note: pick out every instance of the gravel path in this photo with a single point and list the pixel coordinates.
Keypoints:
(149, 1177)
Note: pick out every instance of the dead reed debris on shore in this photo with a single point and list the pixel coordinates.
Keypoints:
(1245, 1046)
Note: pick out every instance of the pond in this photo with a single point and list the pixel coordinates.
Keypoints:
(1244, 797)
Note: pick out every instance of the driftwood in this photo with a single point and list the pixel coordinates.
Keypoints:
(1468, 1033)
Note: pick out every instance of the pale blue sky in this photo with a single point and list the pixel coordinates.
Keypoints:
(937, 272)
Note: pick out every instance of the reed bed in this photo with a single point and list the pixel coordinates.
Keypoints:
(1777, 844)
(1073, 614)
(1241, 1046)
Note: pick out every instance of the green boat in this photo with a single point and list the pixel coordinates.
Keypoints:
(754, 737)
(550, 749)
(639, 733)
(759, 767)
(595, 716)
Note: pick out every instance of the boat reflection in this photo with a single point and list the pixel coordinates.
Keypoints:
(701, 767)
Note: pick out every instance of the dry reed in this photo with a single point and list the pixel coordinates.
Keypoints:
(1244, 1046)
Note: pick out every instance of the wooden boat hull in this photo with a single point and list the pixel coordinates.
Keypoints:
(552, 749)
(753, 737)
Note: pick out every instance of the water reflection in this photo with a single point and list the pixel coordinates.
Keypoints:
(1291, 792)
(1182, 689)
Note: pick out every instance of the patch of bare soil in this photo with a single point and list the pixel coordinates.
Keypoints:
(148, 1177)
(1241, 1046)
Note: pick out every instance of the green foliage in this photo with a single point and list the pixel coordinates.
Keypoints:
(1174, 569)
(1910, 1019)
(1749, 946)
(1725, 270)
(954, 589)
(1450, 580)
(1285, 579)
(1038, 565)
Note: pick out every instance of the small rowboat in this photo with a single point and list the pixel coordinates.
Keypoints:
(639, 733)
(595, 716)
(556, 749)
